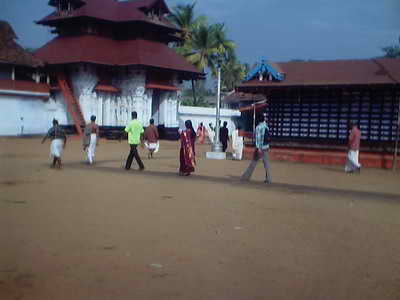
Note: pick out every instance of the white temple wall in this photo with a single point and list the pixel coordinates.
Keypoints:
(206, 115)
(24, 115)
(115, 109)
(168, 110)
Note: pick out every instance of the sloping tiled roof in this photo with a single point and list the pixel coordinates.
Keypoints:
(336, 72)
(105, 51)
(112, 10)
(11, 52)
(24, 86)
(243, 97)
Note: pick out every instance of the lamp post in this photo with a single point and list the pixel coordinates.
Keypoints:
(216, 149)
(217, 146)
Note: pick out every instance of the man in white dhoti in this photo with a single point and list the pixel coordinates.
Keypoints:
(237, 144)
(58, 143)
(91, 139)
(151, 139)
(352, 164)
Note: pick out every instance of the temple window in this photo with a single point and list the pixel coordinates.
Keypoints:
(65, 7)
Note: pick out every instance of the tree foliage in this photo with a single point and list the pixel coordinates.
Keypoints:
(392, 51)
(207, 46)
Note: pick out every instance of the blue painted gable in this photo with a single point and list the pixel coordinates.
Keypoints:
(264, 69)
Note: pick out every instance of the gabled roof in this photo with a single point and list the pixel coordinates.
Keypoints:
(114, 11)
(38, 89)
(11, 52)
(105, 51)
(237, 97)
(335, 72)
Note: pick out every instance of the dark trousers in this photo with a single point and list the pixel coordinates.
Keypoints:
(224, 145)
(133, 153)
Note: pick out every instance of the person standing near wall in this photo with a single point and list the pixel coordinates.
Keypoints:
(224, 136)
(151, 139)
(352, 164)
(211, 133)
(262, 151)
(58, 143)
(201, 133)
(91, 139)
(135, 137)
(237, 144)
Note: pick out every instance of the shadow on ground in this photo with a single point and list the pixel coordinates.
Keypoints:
(235, 181)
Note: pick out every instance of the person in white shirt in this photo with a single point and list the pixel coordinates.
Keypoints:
(237, 144)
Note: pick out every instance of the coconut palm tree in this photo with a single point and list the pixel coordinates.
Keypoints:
(183, 16)
(233, 73)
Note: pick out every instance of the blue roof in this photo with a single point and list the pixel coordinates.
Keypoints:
(265, 68)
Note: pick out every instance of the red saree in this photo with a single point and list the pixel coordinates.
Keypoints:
(187, 154)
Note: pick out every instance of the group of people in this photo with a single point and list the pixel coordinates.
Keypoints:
(187, 155)
(237, 140)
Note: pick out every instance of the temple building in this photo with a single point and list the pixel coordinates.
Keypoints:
(110, 58)
(310, 103)
(24, 93)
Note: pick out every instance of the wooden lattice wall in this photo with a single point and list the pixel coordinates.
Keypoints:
(323, 114)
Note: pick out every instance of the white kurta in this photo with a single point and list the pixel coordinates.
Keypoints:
(211, 135)
(237, 145)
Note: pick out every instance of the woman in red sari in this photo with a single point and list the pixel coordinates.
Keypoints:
(187, 153)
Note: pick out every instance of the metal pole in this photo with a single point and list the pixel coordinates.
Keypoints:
(254, 122)
(396, 144)
(217, 146)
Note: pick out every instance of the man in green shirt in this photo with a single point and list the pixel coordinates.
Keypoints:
(135, 137)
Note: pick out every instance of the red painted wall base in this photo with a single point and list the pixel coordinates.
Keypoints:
(325, 157)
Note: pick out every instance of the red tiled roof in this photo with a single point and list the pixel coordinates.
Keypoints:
(161, 87)
(25, 86)
(242, 97)
(105, 51)
(112, 10)
(336, 72)
(11, 52)
(107, 88)
(251, 107)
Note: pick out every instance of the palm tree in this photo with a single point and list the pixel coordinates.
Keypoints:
(203, 45)
(210, 47)
(183, 16)
(233, 73)
(392, 51)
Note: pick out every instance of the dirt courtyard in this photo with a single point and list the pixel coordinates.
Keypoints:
(100, 232)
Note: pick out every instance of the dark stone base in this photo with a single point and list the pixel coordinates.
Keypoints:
(114, 132)
(167, 133)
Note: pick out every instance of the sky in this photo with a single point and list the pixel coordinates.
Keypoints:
(278, 30)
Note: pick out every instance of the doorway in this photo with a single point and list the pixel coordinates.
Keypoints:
(155, 107)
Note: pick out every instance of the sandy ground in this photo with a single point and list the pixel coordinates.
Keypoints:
(100, 232)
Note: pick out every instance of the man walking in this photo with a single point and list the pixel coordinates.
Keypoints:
(352, 163)
(261, 151)
(91, 139)
(224, 136)
(151, 139)
(135, 137)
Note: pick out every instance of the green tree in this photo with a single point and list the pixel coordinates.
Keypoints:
(183, 16)
(392, 51)
(205, 46)
(232, 74)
